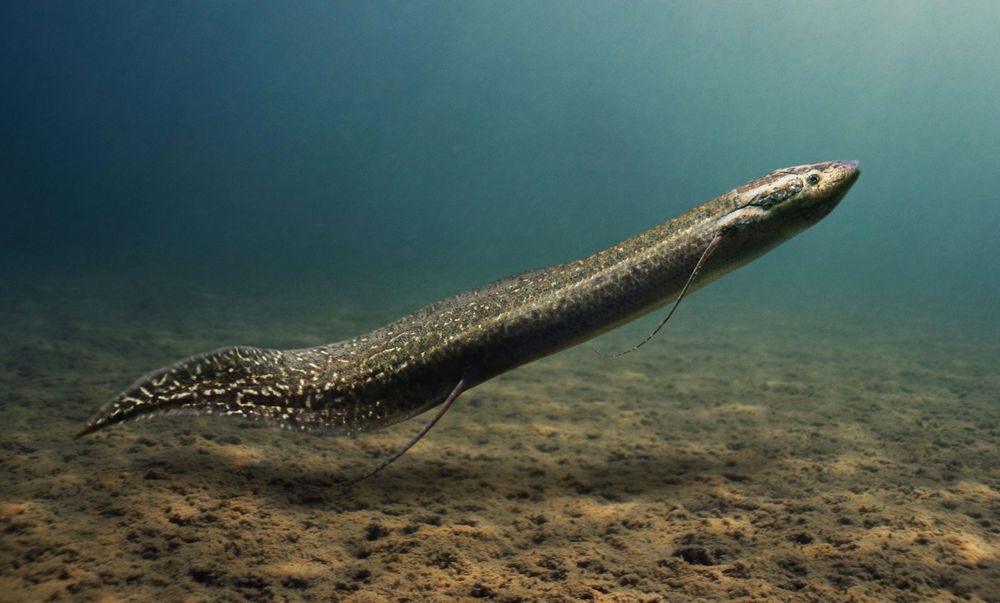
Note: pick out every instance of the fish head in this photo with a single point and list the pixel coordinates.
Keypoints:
(789, 200)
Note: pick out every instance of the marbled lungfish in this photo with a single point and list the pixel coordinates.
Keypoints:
(427, 359)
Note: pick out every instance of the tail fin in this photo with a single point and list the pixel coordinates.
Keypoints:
(241, 381)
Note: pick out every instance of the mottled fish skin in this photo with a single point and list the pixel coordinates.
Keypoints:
(409, 366)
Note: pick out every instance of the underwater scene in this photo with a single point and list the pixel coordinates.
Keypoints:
(819, 424)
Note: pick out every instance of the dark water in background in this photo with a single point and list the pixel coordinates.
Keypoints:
(819, 425)
(406, 151)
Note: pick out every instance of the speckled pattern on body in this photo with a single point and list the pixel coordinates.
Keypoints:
(406, 367)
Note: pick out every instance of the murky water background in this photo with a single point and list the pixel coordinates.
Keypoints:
(821, 424)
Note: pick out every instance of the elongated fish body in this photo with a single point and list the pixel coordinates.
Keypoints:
(411, 365)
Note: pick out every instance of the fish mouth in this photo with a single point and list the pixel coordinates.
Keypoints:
(842, 179)
(850, 171)
(841, 175)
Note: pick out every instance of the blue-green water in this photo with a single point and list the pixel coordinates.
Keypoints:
(442, 145)
(184, 175)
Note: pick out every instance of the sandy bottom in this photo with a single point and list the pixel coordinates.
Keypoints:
(783, 458)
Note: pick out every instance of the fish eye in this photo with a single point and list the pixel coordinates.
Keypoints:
(813, 179)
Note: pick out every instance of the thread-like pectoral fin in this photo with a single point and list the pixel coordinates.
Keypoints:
(455, 393)
(219, 382)
(694, 274)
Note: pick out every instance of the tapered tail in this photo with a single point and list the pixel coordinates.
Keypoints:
(265, 385)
